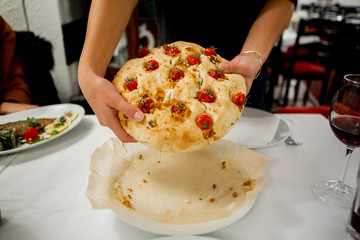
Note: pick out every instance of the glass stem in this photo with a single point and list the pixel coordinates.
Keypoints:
(345, 165)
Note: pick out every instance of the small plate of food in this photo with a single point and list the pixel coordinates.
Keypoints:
(30, 128)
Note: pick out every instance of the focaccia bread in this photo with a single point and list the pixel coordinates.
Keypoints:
(188, 102)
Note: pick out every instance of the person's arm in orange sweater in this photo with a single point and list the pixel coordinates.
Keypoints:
(14, 91)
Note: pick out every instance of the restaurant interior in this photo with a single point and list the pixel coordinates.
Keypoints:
(51, 188)
(306, 66)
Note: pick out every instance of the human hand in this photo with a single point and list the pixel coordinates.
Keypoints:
(245, 64)
(12, 107)
(106, 102)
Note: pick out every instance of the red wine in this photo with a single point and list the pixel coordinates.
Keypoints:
(347, 129)
(355, 221)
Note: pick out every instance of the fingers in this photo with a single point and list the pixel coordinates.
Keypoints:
(120, 104)
(117, 104)
(109, 118)
(129, 110)
(231, 67)
(246, 65)
(108, 96)
(106, 102)
(225, 66)
(239, 65)
(115, 126)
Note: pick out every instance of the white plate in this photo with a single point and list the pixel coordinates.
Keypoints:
(281, 133)
(150, 225)
(185, 238)
(51, 111)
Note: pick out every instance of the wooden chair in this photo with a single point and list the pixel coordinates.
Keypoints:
(347, 53)
(310, 61)
(274, 71)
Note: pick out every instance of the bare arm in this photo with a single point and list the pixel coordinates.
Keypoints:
(12, 107)
(267, 28)
(107, 22)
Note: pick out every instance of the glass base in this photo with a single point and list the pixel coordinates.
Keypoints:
(353, 233)
(334, 193)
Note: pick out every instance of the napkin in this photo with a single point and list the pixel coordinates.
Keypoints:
(254, 131)
(181, 188)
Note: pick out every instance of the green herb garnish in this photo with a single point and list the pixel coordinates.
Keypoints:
(61, 123)
(33, 124)
(5, 134)
(38, 140)
(54, 132)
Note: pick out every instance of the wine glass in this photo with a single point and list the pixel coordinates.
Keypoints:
(344, 119)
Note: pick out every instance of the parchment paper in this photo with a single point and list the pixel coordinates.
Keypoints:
(182, 188)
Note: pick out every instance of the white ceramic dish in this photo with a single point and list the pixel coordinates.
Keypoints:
(185, 238)
(150, 225)
(51, 111)
(281, 133)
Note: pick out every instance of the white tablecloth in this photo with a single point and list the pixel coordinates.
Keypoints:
(42, 190)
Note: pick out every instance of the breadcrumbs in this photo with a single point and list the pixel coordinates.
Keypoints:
(248, 182)
(123, 199)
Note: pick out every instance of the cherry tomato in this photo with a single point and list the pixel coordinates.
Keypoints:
(217, 74)
(151, 65)
(204, 122)
(171, 50)
(194, 59)
(145, 105)
(31, 134)
(131, 84)
(177, 74)
(209, 51)
(207, 96)
(240, 99)
(178, 108)
(143, 52)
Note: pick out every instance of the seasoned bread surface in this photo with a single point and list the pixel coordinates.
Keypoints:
(171, 101)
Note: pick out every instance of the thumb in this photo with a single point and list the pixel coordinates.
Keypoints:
(225, 66)
(231, 67)
(129, 110)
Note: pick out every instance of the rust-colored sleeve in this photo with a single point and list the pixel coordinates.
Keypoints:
(13, 86)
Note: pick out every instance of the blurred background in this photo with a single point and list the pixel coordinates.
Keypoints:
(320, 45)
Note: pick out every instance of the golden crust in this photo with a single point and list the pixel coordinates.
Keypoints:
(171, 132)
